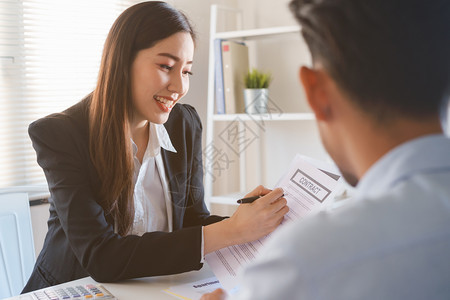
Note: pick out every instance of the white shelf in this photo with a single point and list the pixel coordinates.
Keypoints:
(256, 33)
(265, 117)
(270, 33)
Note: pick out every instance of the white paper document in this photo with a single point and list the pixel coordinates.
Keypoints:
(307, 188)
(194, 290)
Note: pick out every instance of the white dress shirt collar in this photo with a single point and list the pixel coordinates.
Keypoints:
(158, 138)
(395, 166)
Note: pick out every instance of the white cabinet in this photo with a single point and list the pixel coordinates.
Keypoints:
(243, 150)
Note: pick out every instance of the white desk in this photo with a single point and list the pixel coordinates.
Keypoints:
(142, 288)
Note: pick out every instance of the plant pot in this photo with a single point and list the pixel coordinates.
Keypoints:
(255, 101)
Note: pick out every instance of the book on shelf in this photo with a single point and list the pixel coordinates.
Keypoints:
(235, 65)
(218, 77)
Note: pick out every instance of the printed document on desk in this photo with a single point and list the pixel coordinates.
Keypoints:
(194, 290)
(307, 188)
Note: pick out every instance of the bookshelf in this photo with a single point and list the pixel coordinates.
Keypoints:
(257, 33)
(240, 120)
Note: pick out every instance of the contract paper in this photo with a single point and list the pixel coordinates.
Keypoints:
(307, 188)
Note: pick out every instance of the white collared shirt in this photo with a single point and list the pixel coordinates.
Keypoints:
(152, 201)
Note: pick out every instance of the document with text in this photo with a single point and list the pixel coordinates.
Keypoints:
(309, 186)
(194, 290)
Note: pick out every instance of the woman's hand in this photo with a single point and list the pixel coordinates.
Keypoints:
(250, 221)
(258, 191)
(254, 220)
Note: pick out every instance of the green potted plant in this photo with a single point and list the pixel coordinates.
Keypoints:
(256, 93)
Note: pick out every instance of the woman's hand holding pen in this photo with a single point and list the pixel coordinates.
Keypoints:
(254, 220)
(250, 221)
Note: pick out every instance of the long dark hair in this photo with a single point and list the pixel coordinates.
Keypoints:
(139, 27)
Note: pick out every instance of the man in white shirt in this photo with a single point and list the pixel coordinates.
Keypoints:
(380, 76)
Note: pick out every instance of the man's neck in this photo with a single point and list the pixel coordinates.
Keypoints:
(383, 138)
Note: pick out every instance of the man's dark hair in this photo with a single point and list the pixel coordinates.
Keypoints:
(392, 57)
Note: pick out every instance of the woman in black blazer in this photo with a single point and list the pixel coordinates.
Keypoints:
(87, 157)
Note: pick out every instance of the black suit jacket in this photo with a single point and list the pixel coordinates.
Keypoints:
(81, 240)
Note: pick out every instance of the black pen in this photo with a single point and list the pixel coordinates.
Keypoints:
(248, 199)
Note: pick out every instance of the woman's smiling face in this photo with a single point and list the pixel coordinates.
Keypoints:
(160, 77)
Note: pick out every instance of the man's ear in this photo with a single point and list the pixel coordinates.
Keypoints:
(316, 92)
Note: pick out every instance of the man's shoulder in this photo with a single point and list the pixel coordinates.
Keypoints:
(366, 227)
(376, 247)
